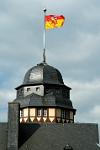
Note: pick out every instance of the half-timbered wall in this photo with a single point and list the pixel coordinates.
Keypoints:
(46, 115)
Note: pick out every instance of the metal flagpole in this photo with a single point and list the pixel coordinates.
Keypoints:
(44, 39)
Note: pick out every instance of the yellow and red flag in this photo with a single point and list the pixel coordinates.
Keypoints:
(52, 21)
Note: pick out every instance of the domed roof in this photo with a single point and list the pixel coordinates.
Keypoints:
(43, 73)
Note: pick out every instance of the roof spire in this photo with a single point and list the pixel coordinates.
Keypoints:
(44, 56)
(44, 38)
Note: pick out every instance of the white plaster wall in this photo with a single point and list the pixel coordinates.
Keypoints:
(51, 112)
(32, 111)
(33, 90)
(25, 112)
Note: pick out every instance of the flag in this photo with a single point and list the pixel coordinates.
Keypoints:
(52, 21)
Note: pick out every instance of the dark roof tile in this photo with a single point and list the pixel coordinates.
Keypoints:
(57, 136)
(3, 136)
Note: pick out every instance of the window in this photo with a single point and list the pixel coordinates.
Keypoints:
(45, 112)
(39, 112)
(63, 114)
(28, 89)
(20, 92)
(67, 114)
(22, 113)
(37, 89)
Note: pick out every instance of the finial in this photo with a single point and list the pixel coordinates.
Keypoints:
(44, 56)
(44, 9)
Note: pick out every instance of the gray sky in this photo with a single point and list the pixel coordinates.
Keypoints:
(74, 49)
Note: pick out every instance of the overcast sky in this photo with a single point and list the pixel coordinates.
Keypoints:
(74, 49)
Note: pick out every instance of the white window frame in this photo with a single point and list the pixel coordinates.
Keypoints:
(44, 112)
(39, 112)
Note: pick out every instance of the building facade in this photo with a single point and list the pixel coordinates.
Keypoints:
(42, 116)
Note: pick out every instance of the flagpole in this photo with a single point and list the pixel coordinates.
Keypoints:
(44, 39)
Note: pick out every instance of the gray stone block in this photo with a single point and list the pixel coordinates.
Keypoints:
(13, 125)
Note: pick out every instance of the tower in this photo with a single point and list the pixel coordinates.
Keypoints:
(42, 116)
(43, 96)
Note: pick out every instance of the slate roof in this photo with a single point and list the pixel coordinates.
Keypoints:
(50, 100)
(57, 136)
(54, 136)
(3, 136)
(43, 73)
